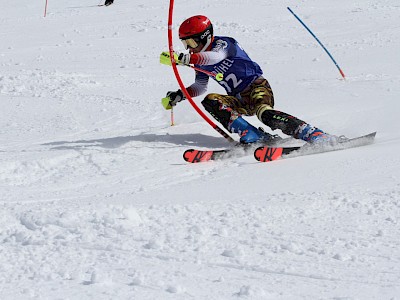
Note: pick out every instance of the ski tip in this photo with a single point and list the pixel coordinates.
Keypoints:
(196, 156)
(257, 153)
(371, 136)
(188, 154)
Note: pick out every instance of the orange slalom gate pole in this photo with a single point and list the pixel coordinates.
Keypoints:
(45, 9)
(181, 85)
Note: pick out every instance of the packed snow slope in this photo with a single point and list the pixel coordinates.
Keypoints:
(97, 202)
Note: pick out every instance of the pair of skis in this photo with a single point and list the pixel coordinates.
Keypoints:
(271, 153)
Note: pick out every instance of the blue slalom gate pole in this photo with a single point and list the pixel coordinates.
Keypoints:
(319, 42)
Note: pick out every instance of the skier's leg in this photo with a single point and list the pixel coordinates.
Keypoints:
(290, 125)
(228, 111)
(257, 94)
(259, 100)
(220, 107)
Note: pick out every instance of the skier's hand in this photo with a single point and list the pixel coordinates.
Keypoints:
(183, 59)
(172, 99)
(175, 97)
(180, 58)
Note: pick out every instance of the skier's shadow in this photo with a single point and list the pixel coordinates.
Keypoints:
(192, 140)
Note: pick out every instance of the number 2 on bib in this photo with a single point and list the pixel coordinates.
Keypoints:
(231, 78)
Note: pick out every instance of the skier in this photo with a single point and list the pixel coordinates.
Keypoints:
(248, 92)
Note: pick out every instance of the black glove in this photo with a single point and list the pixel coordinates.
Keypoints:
(184, 59)
(175, 97)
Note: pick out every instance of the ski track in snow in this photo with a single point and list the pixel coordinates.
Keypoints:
(121, 247)
(97, 202)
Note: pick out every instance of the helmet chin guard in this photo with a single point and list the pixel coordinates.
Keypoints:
(208, 42)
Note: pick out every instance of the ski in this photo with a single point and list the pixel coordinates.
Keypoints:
(197, 155)
(266, 153)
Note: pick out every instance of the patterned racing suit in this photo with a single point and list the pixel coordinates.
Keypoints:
(248, 92)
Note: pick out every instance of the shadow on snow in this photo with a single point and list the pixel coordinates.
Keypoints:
(192, 140)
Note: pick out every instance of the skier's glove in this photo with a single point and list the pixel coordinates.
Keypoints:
(183, 59)
(172, 99)
(180, 59)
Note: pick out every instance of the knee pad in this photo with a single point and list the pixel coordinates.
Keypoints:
(221, 112)
(211, 105)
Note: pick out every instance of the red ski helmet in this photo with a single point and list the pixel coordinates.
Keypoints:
(195, 31)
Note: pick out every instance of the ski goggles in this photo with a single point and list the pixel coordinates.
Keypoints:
(190, 43)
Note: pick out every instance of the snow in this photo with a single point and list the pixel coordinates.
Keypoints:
(97, 202)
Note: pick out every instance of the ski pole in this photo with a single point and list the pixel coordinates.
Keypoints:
(319, 42)
(172, 116)
(218, 76)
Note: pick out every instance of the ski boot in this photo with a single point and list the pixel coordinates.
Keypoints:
(274, 138)
(248, 133)
(315, 136)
